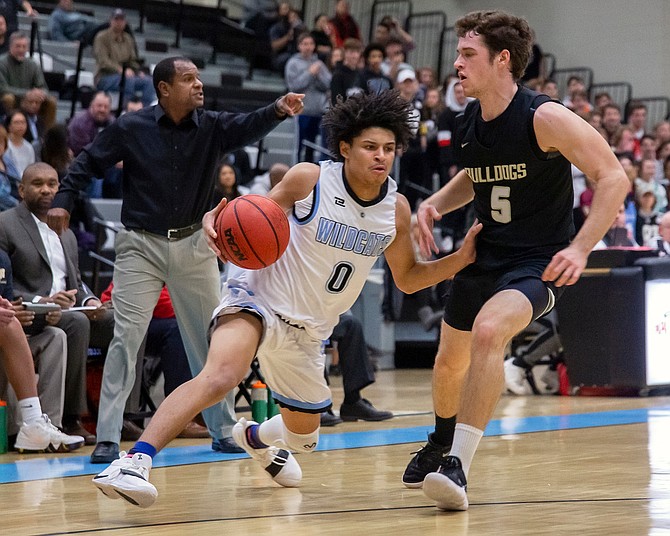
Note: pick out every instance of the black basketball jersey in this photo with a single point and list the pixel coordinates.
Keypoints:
(523, 196)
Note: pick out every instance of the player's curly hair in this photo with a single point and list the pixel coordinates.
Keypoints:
(347, 119)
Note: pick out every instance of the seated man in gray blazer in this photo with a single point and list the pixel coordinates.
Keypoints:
(46, 269)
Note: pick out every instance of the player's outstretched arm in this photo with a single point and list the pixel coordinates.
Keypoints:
(208, 221)
(411, 275)
(559, 129)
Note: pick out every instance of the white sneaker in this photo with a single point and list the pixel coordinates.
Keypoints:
(128, 478)
(280, 464)
(42, 436)
(515, 379)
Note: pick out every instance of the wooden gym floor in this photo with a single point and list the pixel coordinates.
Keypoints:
(547, 465)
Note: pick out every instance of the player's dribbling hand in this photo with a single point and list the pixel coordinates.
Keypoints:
(566, 266)
(469, 249)
(425, 216)
(208, 221)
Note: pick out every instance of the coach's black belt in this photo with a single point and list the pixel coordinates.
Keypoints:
(175, 234)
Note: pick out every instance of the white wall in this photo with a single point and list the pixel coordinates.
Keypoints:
(620, 40)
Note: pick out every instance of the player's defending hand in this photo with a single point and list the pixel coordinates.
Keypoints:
(290, 104)
(566, 266)
(425, 217)
(58, 219)
(468, 250)
(208, 224)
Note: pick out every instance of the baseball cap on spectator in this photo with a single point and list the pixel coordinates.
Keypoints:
(118, 14)
(405, 74)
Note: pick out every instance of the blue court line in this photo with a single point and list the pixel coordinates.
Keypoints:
(59, 466)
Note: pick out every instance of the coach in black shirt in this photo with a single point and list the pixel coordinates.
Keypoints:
(170, 152)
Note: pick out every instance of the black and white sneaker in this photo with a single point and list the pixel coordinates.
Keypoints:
(280, 464)
(426, 460)
(448, 486)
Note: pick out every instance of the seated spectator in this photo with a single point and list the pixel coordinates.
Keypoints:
(427, 80)
(55, 277)
(601, 100)
(259, 16)
(20, 76)
(618, 234)
(372, 79)
(662, 132)
(9, 175)
(390, 28)
(394, 60)
(4, 36)
(623, 140)
(283, 36)
(36, 432)
(646, 180)
(346, 75)
(663, 241)
(646, 227)
(67, 24)
(82, 130)
(550, 88)
(307, 74)
(343, 24)
(164, 342)
(86, 124)
(115, 51)
(611, 121)
(430, 113)
(455, 98)
(227, 185)
(662, 155)
(322, 37)
(30, 106)
(357, 373)
(9, 10)
(580, 104)
(18, 149)
(637, 120)
(262, 184)
(576, 84)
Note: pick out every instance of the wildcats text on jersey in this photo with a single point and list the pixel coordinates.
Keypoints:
(504, 172)
(348, 238)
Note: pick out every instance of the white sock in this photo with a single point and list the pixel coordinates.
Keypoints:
(466, 441)
(271, 432)
(30, 409)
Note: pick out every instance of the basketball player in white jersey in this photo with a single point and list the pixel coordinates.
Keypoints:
(343, 216)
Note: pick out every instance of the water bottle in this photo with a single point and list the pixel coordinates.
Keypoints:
(259, 402)
(3, 426)
(273, 408)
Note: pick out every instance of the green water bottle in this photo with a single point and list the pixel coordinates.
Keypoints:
(3, 426)
(273, 408)
(259, 402)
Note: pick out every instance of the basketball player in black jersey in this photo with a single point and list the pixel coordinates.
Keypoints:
(516, 148)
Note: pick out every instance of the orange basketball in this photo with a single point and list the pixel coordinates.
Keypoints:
(252, 231)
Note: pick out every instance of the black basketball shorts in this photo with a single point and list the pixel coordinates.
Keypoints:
(473, 287)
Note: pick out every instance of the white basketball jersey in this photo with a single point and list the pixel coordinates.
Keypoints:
(335, 240)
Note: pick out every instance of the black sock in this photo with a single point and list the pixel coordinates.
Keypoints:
(444, 431)
(352, 398)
